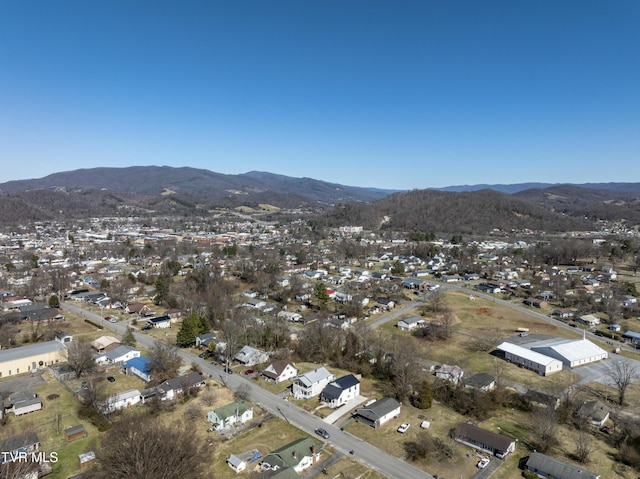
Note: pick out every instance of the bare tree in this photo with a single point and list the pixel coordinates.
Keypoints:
(80, 357)
(584, 446)
(150, 449)
(165, 361)
(243, 392)
(209, 397)
(544, 429)
(193, 411)
(621, 376)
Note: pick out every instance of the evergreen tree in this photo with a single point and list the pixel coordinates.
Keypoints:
(423, 401)
(54, 301)
(128, 339)
(320, 292)
(192, 326)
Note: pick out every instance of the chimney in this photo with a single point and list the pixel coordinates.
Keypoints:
(313, 454)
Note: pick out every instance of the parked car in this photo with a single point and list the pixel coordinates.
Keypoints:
(228, 370)
(146, 328)
(111, 379)
(403, 427)
(483, 463)
(322, 433)
(249, 372)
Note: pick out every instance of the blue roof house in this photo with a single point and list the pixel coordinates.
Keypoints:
(140, 367)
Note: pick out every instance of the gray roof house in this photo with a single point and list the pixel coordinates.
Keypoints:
(376, 413)
(483, 439)
(249, 356)
(545, 466)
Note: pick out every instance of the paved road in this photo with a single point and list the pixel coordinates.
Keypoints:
(344, 442)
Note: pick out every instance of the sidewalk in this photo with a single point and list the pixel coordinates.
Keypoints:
(344, 409)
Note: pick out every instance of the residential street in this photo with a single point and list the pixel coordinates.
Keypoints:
(366, 453)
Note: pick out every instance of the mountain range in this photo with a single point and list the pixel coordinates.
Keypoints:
(189, 191)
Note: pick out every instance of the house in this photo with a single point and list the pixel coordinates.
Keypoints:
(204, 340)
(249, 356)
(139, 366)
(120, 354)
(235, 413)
(23, 402)
(484, 440)
(172, 388)
(632, 336)
(590, 320)
(105, 343)
(298, 455)
(411, 323)
(311, 383)
(481, 382)
(412, 283)
(548, 467)
(341, 391)
(122, 400)
(453, 374)
(140, 309)
(563, 313)
(283, 282)
(235, 463)
(279, 371)
(540, 363)
(595, 412)
(385, 304)
(160, 322)
(542, 399)
(535, 302)
(27, 442)
(377, 413)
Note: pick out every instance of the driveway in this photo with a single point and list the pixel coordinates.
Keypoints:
(32, 381)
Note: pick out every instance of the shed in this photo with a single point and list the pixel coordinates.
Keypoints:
(86, 459)
(75, 432)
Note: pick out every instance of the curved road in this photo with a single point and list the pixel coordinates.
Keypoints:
(364, 452)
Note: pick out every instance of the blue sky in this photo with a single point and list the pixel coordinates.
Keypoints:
(388, 94)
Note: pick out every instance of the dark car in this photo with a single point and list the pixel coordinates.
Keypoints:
(228, 370)
(147, 328)
(322, 433)
(111, 379)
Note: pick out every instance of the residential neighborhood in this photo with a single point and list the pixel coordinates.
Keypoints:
(368, 347)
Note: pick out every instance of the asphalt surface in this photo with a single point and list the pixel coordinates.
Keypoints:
(344, 442)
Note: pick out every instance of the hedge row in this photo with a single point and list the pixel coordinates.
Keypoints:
(99, 326)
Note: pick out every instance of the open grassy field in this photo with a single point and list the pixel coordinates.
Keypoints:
(480, 324)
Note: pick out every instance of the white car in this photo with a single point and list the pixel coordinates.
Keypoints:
(403, 427)
(483, 463)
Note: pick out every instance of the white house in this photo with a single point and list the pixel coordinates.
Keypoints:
(453, 374)
(590, 320)
(171, 388)
(409, 324)
(376, 413)
(311, 383)
(299, 455)
(235, 413)
(160, 322)
(249, 356)
(340, 391)
(279, 371)
(120, 354)
(122, 400)
(237, 464)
